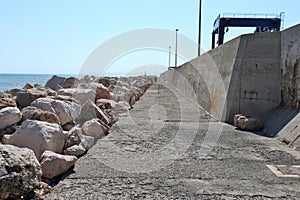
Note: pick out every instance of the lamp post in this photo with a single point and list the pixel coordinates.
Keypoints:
(169, 56)
(176, 48)
(200, 24)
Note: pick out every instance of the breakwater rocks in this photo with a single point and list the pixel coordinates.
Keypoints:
(44, 130)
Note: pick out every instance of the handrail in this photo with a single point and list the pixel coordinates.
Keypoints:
(252, 15)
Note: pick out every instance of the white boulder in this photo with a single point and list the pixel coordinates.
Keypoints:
(9, 116)
(54, 164)
(76, 150)
(94, 128)
(38, 136)
(66, 111)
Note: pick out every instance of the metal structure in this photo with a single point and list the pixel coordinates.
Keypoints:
(176, 47)
(200, 26)
(262, 22)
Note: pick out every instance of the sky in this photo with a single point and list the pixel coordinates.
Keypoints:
(58, 36)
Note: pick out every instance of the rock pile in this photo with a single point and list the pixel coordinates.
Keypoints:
(44, 130)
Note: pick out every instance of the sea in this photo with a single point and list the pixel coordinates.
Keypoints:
(11, 81)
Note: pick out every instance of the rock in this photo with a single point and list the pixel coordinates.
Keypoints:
(74, 137)
(54, 164)
(54, 82)
(89, 79)
(5, 139)
(90, 111)
(42, 191)
(12, 92)
(113, 118)
(38, 136)
(26, 97)
(247, 123)
(66, 111)
(87, 142)
(64, 98)
(7, 102)
(20, 172)
(122, 94)
(5, 95)
(94, 128)
(75, 150)
(68, 126)
(104, 81)
(121, 107)
(39, 114)
(8, 131)
(105, 103)
(9, 116)
(28, 86)
(70, 82)
(82, 95)
(101, 91)
(118, 107)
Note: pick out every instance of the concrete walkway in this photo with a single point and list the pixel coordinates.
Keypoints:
(162, 150)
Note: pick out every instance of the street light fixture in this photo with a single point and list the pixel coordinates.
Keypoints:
(169, 56)
(200, 24)
(176, 48)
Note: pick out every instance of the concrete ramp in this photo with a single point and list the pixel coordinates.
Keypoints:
(278, 118)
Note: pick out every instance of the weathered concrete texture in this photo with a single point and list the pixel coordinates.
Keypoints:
(290, 134)
(260, 73)
(290, 62)
(158, 152)
(249, 67)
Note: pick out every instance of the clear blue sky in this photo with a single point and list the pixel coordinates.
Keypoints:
(56, 36)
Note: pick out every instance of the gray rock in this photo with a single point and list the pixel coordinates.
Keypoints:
(9, 116)
(26, 96)
(38, 136)
(90, 111)
(54, 82)
(66, 111)
(54, 164)
(70, 82)
(20, 172)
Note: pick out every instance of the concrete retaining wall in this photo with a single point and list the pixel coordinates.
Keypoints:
(249, 67)
(260, 77)
(290, 61)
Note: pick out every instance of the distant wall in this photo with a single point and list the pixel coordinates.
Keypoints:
(290, 60)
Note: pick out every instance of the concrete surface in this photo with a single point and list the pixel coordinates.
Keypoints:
(157, 152)
(249, 67)
(260, 74)
(290, 60)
